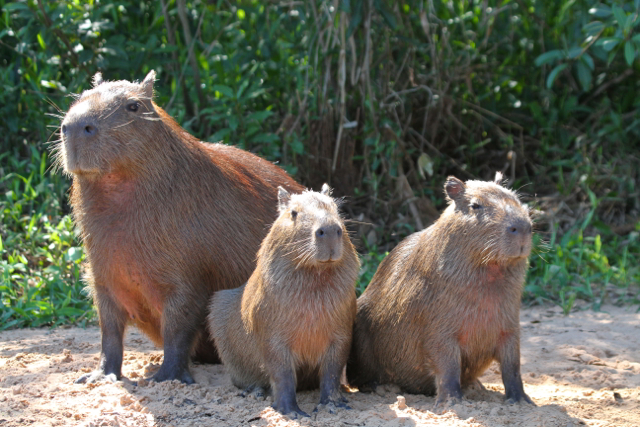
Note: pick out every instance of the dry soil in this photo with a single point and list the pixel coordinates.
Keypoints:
(582, 369)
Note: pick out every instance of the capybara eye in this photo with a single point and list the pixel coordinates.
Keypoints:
(133, 107)
(475, 206)
(294, 214)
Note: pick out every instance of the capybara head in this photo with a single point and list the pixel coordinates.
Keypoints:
(99, 132)
(489, 220)
(310, 228)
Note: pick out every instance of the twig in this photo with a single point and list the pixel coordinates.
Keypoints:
(342, 77)
(184, 67)
(182, 13)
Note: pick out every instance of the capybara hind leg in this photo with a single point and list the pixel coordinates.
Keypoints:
(283, 384)
(330, 373)
(509, 358)
(448, 375)
(178, 331)
(112, 325)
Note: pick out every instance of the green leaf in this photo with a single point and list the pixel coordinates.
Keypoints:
(233, 122)
(356, 18)
(629, 52)
(588, 60)
(387, 15)
(584, 75)
(600, 11)
(548, 57)
(619, 14)
(574, 52)
(219, 136)
(593, 28)
(554, 73)
(225, 90)
(610, 43)
(16, 6)
(259, 115)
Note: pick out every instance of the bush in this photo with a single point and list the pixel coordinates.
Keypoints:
(381, 99)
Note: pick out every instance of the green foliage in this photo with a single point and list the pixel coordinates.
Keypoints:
(381, 99)
(41, 258)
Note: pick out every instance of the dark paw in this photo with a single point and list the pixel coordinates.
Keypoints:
(448, 399)
(255, 392)
(184, 376)
(332, 405)
(95, 376)
(293, 411)
(519, 398)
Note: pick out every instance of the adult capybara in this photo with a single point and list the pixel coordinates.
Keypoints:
(445, 303)
(290, 326)
(165, 219)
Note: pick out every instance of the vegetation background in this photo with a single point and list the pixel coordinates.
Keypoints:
(382, 99)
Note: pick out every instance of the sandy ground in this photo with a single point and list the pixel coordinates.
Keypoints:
(583, 369)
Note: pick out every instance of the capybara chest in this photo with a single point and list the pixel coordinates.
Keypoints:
(134, 290)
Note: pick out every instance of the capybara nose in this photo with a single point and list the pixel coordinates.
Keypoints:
(329, 231)
(519, 227)
(81, 128)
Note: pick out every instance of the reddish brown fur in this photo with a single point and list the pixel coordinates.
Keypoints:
(294, 316)
(165, 219)
(446, 301)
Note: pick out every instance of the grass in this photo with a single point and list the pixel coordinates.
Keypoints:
(41, 256)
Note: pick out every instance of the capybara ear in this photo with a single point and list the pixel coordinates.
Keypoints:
(147, 84)
(326, 190)
(97, 79)
(454, 188)
(283, 199)
(498, 178)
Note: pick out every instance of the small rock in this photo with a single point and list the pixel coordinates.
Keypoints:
(402, 403)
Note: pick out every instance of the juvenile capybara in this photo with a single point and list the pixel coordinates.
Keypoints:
(445, 302)
(165, 219)
(289, 327)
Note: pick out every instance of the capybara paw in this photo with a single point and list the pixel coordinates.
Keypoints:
(519, 398)
(183, 376)
(95, 376)
(446, 400)
(332, 406)
(293, 412)
(255, 392)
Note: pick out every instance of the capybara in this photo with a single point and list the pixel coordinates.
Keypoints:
(445, 302)
(289, 327)
(165, 219)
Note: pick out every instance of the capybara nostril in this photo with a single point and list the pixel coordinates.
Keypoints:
(90, 130)
(513, 230)
(339, 232)
(320, 232)
(64, 128)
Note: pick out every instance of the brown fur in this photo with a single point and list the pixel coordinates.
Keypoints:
(165, 219)
(292, 322)
(445, 303)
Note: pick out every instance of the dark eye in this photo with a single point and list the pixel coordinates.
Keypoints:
(475, 206)
(133, 107)
(294, 214)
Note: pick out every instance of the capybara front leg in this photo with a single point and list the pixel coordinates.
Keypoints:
(330, 372)
(448, 367)
(509, 358)
(179, 327)
(112, 325)
(283, 384)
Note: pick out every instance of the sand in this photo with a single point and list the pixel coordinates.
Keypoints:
(582, 369)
